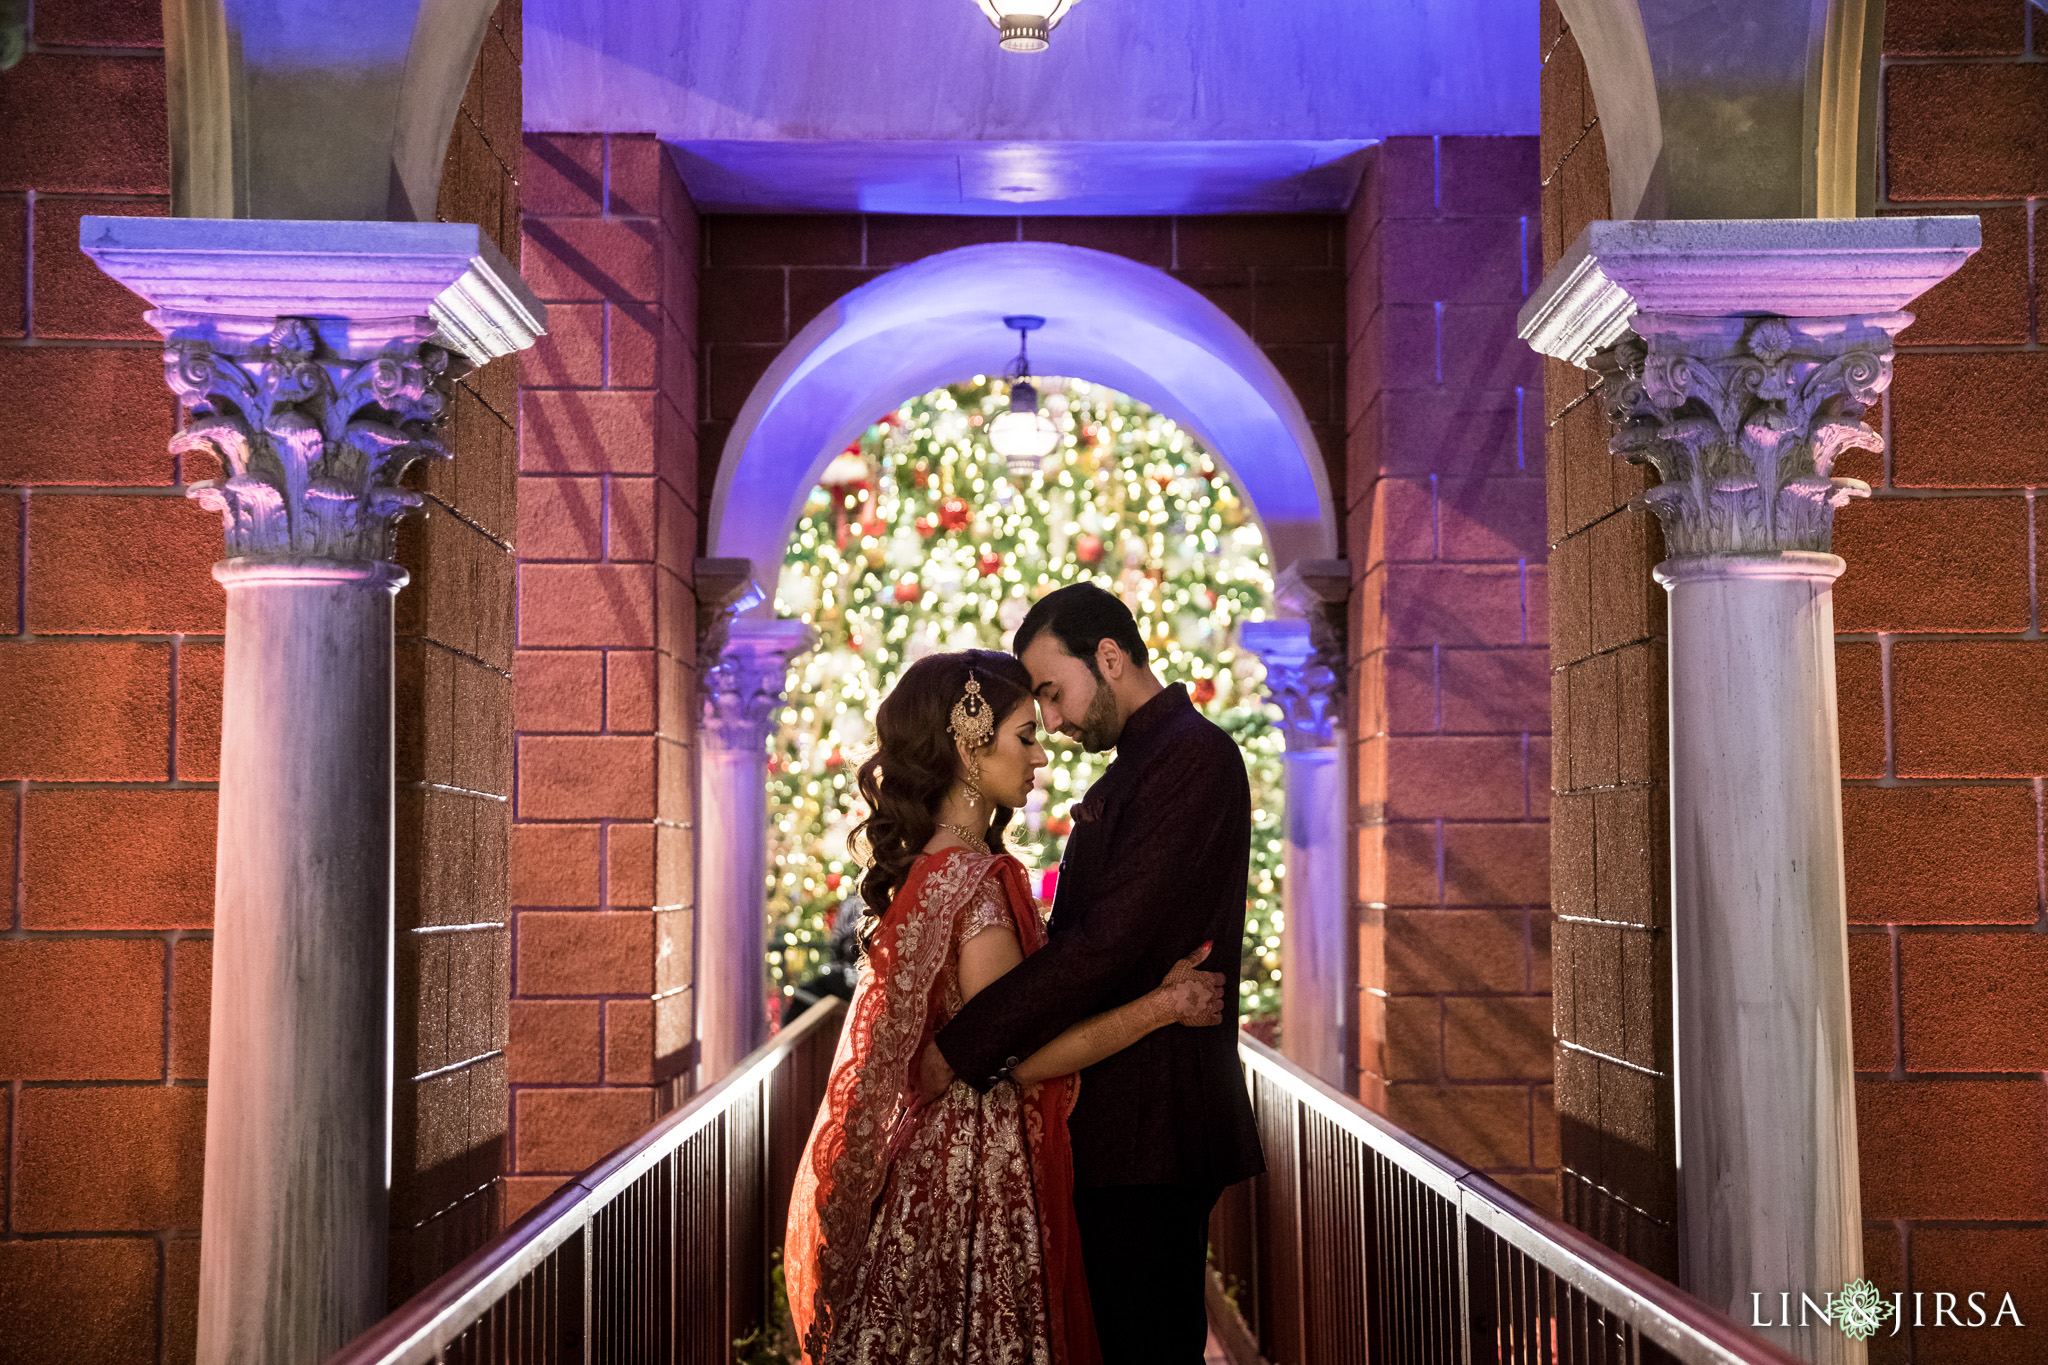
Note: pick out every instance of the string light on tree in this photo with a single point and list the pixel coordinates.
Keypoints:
(921, 537)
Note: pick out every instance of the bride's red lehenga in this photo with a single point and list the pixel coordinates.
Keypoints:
(943, 1232)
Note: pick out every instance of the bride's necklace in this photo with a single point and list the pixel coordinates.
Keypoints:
(967, 836)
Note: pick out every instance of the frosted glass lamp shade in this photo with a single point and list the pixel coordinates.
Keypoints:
(1023, 436)
(1025, 25)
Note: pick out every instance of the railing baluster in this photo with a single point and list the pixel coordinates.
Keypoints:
(1360, 1243)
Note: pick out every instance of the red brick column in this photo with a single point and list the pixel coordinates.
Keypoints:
(1611, 881)
(453, 661)
(602, 884)
(1449, 623)
(1944, 686)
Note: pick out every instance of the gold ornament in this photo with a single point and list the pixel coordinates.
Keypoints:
(973, 721)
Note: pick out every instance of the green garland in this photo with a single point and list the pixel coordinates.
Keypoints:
(920, 540)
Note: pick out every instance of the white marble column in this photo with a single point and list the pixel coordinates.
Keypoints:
(1315, 980)
(1739, 359)
(741, 693)
(310, 360)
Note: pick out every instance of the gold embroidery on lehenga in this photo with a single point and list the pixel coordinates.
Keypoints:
(924, 1200)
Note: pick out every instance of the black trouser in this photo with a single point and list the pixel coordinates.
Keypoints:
(1146, 1248)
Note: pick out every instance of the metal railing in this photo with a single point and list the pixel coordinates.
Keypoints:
(1362, 1243)
(658, 1253)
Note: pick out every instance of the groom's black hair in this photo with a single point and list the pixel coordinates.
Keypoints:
(1081, 616)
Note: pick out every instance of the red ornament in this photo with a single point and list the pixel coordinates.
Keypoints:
(832, 881)
(990, 564)
(920, 477)
(1088, 549)
(926, 526)
(954, 514)
(907, 592)
(1058, 824)
(1204, 691)
(836, 758)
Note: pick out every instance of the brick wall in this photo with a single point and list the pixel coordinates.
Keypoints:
(110, 669)
(1448, 631)
(602, 878)
(1610, 880)
(454, 751)
(109, 728)
(1280, 277)
(1944, 683)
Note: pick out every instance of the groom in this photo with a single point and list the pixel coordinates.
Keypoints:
(1155, 865)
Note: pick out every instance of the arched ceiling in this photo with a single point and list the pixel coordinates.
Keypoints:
(1138, 106)
(1108, 320)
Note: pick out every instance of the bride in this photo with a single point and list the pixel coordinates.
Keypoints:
(944, 1231)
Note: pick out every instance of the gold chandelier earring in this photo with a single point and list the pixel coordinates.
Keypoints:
(973, 723)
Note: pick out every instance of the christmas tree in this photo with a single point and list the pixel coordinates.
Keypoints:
(920, 538)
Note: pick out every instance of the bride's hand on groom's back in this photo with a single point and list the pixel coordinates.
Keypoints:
(1192, 997)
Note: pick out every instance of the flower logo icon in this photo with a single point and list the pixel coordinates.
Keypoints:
(1859, 1310)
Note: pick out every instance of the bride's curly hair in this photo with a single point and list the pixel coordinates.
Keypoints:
(915, 763)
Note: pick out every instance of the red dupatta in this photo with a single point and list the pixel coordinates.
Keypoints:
(871, 1106)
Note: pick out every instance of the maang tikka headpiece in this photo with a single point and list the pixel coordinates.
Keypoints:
(973, 721)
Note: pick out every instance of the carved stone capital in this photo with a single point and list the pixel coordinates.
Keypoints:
(742, 688)
(314, 440)
(1743, 419)
(1320, 589)
(1738, 357)
(311, 357)
(1308, 691)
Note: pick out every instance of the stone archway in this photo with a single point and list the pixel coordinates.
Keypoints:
(1109, 320)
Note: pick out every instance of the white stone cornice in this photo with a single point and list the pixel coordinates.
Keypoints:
(240, 268)
(1790, 267)
(742, 689)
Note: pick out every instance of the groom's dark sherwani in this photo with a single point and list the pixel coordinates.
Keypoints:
(1156, 864)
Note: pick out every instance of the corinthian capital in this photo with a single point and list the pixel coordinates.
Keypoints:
(311, 357)
(1299, 680)
(1743, 419)
(744, 686)
(1738, 357)
(313, 442)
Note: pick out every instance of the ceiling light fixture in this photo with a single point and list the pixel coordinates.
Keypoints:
(1025, 25)
(1023, 436)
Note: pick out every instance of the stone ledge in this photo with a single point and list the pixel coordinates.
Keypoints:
(1791, 267)
(359, 271)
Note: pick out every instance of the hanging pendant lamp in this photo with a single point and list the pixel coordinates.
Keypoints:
(1023, 436)
(1025, 25)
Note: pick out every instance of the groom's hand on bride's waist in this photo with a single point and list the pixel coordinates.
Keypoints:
(934, 1073)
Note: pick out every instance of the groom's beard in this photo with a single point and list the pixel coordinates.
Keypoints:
(1097, 729)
